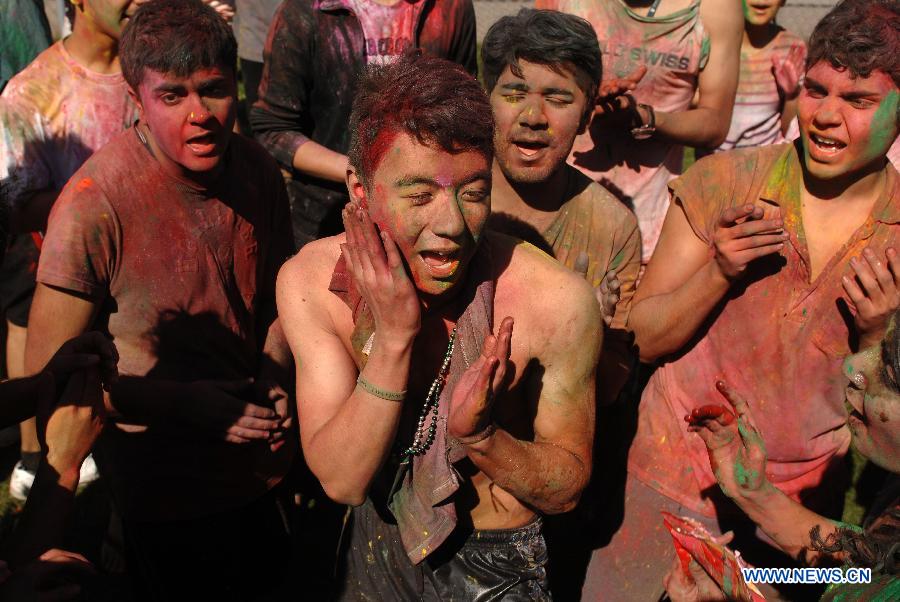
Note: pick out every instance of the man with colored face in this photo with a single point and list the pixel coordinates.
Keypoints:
(774, 264)
(69, 102)
(447, 428)
(541, 70)
(671, 71)
(315, 53)
(169, 238)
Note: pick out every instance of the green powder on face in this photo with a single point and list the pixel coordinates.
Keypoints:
(884, 122)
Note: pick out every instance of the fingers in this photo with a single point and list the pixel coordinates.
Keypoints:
(502, 352)
(394, 258)
(730, 216)
(581, 263)
(716, 413)
(724, 539)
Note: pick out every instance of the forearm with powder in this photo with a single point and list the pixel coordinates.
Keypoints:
(788, 523)
(348, 451)
(543, 475)
(663, 324)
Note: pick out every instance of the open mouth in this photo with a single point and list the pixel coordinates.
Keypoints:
(825, 144)
(441, 264)
(203, 144)
(529, 148)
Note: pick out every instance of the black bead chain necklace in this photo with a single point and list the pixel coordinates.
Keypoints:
(424, 437)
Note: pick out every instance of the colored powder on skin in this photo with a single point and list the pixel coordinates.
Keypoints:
(884, 122)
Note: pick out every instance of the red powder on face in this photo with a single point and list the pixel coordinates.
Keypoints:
(379, 147)
(84, 185)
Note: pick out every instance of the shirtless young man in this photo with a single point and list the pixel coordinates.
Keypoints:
(541, 71)
(774, 264)
(376, 322)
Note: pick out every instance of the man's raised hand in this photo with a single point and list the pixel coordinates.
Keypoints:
(607, 292)
(376, 266)
(874, 291)
(736, 449)
(611, 93)
(745, 233)
(473, 397)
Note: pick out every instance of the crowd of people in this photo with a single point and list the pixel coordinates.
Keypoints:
(472, 320)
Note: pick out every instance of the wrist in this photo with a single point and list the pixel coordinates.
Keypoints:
(479, 440)
(60, 470)
(718, 275)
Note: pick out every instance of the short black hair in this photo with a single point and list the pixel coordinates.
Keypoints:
(545, 37)
(433, 100)
(861, 36)
(175, 36)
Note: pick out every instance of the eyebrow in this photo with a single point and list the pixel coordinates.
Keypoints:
(168, 87)
(811, 83)
(516, 86)
(418, 180)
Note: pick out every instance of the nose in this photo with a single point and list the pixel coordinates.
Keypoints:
(199, 112)
(532, 114)
(449, 223)
(827, 113)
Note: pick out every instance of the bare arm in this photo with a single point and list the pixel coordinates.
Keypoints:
(347, 432)
(318, 161)
(706, 125)
(550, 472)
(686, 279)
(737, 455)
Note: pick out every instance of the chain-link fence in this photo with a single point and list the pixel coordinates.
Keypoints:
(799, 16)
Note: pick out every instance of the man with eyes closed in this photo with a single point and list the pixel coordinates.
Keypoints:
(445, 373)
(773, 264)
(541, 70)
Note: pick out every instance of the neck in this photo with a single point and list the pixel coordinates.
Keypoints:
(759, 36)
(864, 186)
(547, 195)
(92, 48)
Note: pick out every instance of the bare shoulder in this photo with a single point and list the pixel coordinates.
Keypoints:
(536, 289)
(304, 278)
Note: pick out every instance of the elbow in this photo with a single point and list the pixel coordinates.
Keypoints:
(561, 504)
(344, 493)
(718, 132)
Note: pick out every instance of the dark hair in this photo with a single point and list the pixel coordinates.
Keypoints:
(861, 36)
(175, 36)
(545, 37)
(434, 100)
(877, 548)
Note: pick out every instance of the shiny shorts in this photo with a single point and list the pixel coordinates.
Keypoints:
(478, 566)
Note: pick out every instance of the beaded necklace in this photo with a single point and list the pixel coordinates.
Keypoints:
(425, 437)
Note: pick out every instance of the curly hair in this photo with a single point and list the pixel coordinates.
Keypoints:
(175, 36)
(437, 102)
(861, 36)
(545, 37)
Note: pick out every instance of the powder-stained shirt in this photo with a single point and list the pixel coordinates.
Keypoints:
(251, 26)
(181, 275)
(24, 33)
(779, 340)
(674, 48)
(315, 52)
(756, 120)
(53, 116)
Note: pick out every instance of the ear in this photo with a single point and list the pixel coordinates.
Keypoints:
(136, 99)
(356, 188)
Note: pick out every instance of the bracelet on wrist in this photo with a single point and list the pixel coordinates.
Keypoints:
(379, 392)
(479, 436)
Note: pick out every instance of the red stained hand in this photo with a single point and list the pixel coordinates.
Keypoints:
(376, 266)
(686, 580)
(874, 291)
(611, 100)
(745, 233)
(736, 449)
(789, 70)
(478, 387)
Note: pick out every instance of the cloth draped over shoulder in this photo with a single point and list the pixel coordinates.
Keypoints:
(422, 503)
